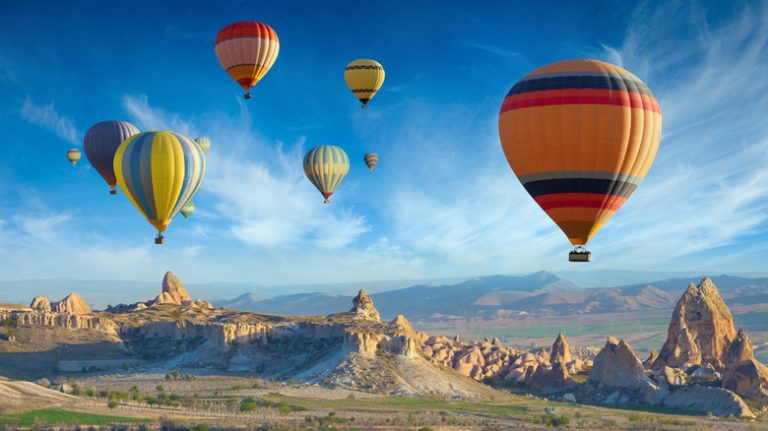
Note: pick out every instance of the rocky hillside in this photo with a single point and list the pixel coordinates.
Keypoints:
(353, 349)
(704, 366)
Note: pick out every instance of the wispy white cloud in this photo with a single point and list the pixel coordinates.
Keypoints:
(147, 117)
(7, 72)
(494, 49)
(46, 116)
(266, 202)
(709, 185)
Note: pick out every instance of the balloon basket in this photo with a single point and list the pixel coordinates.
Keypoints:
(160, 239)
(580, 255)
(248, 95)
(327, 201)
(113, 192)
(364, 107)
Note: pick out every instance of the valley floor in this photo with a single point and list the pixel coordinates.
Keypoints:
(644, 330)
(224, 402)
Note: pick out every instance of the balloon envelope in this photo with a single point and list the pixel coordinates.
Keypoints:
(247, 50)
(364, 78)
(101, 142)
(159, 171)
(580, 135)
(326, 166)
(188, 209)
(204, 142)
(371, 160)
(73, 155)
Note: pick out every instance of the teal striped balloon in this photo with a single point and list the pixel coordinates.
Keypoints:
(326, 166)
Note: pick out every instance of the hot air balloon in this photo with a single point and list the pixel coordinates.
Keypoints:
(580, 135)
(364, 78)
(73, 155)
(326, 166)
(187, 209)
(371, 159)
(101, 142)
(204, 142)
(159, 171)
(247, 50)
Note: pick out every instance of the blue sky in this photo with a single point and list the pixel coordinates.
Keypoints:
(442, 202)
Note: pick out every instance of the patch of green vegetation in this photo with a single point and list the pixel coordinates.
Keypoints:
(62, 417)
(551, 420)
(408, 403)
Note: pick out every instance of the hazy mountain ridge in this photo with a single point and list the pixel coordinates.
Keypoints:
(541, 293)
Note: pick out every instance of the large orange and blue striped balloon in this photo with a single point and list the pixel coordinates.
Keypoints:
(580, 135)
(247, 50)
(159, 171)
(326, 166)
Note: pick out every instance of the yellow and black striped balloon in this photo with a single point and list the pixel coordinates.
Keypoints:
(364, 77)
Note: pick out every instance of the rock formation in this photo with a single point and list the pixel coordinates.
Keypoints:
(363, 307)
(745, 375)
(40, 303)
(700, 331)
(560, 351)
(201, 304)
(700, 399)
(740, 350)
(648, 362)
(72, 304)
(617, 365)
(173, 291)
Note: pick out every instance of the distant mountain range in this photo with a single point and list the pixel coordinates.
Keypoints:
(499, 296)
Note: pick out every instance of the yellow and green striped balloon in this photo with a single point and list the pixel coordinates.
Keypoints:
(326, 166)
(159, 171)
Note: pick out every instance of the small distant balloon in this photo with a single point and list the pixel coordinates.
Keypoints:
(364, 78)
(204, 142)
(188, 209)
(371, 160)
(159, 172)
(247, 50)
(326, 166)
(73, 155)
(100, 144)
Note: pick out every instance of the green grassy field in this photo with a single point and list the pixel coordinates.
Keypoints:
(406, 404)
(49, 417)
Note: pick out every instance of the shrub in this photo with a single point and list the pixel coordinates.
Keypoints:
(112, 404)
(200, 427)
(552, 420)
(248, 404)
(231, 402)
